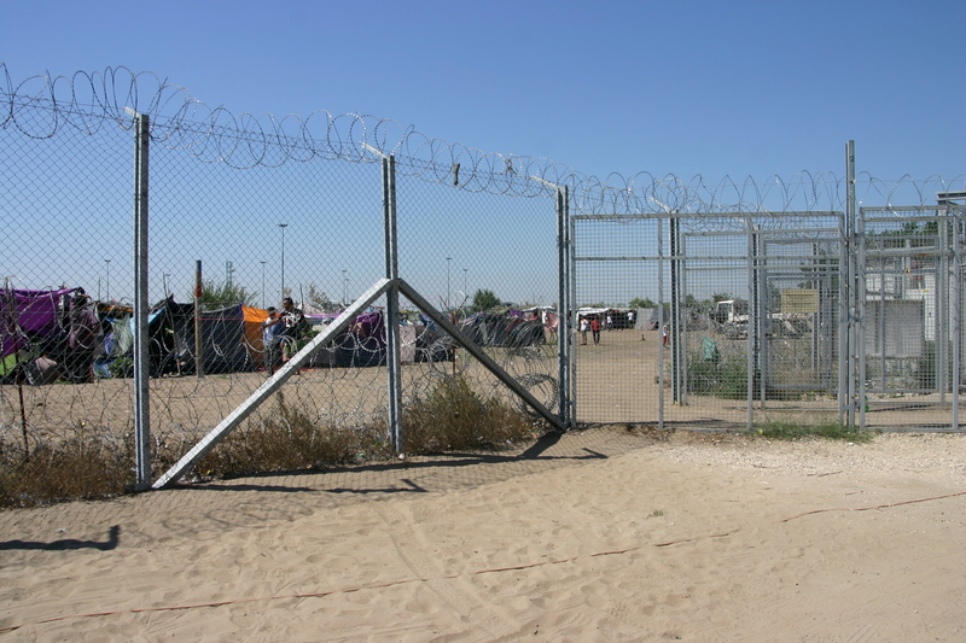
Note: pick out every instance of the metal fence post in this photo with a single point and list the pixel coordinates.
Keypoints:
(565, 309)
(393, 363)
(957, 320)
(750, 354)
(847, 296)
(142, 418)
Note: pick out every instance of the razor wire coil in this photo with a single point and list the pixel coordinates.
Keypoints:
(91, 101)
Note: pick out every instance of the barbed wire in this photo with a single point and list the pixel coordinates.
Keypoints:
(91, 101)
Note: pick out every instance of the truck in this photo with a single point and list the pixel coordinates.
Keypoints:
(730, 318)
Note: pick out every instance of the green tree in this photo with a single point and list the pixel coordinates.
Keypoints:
(484, 300)
(645, 302)
(219, 295)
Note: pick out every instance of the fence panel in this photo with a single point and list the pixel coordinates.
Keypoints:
(499, 289)
(745, 320)
(911, 285)
(66, 209)
(618, 333)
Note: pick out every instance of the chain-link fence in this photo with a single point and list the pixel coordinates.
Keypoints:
(226, 224)
(667, 302)
(802, 317)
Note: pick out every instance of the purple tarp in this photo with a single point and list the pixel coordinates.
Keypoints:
(26, 313)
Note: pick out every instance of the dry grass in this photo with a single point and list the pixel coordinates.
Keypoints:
(88, 464)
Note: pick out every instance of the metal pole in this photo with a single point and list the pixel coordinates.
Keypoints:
(675, 312)
(263, 282)
(142, 416)
(847, 294)
(448, 263)
(761, 319)
(107, 281)
(393, 358)
(345, 289)
(660, 317)
(942, 312)
(199, 355)
(282, 226)
(957, 321)
(465, 291)
(571, 310)
(563, 312)
(749, 325)
(861, 266)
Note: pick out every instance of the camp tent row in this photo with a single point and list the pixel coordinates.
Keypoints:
(35, 326)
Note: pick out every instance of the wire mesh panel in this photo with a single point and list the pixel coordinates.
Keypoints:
(800, 305)
(301, 235)
(910, 290)
(67, 251)
(619, 285)
(764, 315)
(500, 290)
(718, 335)
(741, 316)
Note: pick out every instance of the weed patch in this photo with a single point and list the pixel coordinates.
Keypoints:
(830, 430)
(88, 463)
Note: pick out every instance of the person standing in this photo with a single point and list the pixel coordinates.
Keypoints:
(270, 328)
(83, 329)
(583, 331)
(595, 329)
(286, 327)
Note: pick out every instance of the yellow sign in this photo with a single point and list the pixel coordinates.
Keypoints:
(799, 300)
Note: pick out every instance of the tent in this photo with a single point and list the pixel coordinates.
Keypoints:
(40, 335)
(362, 343)
(510, 330)
(224, 347)
(29, 315)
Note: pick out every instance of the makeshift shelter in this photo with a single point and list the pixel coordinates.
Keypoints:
(37, 335)
(656, 319)
(254, 320)
(362, 343)
(509, 330)
(171, 331)
(29, 315)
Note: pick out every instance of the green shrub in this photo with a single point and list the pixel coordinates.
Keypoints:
(727, 378)
(828, 429)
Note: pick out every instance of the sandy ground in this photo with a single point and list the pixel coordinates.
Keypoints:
(601, 535)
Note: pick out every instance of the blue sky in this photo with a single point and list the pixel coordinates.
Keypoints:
(742, 89)
(684, 88)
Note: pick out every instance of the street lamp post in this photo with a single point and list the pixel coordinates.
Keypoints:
(282, 226)
(263, 282)
(107, 263)
(345, 289)
(466, 293)
(449, 261)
